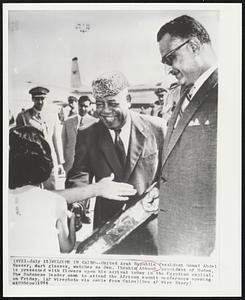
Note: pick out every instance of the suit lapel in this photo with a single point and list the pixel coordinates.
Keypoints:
(72, 124)
(172, 122)
(107, 147)
(136, 145)
(196, 102)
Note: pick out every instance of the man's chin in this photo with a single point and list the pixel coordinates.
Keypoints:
(181, 81)
(109, 125)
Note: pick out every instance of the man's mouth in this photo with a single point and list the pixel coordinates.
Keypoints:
(110, 118)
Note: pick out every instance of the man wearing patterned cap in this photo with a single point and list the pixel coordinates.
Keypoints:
(126, 144)
(35, 117)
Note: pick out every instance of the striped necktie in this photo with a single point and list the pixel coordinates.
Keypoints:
(188, 93)
(120, 151)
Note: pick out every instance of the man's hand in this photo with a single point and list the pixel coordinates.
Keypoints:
(151, 201)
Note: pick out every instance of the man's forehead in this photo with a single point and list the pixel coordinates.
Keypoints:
(118, 97)
(84, 102)
(168, 43)
(107, 98)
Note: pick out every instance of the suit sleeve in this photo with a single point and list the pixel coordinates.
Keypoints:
(57, 141)
(81, 170)
(63, 138)
(159, 133)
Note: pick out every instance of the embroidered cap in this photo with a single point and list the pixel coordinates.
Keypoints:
(109, 84)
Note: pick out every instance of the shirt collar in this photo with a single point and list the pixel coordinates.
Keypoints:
(125, 129)
(124, 134)
(36, 112)
(199, 82)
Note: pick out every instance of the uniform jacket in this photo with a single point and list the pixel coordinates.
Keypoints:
(69, 135)
(96, 156)
(187, 213)
(49, 126)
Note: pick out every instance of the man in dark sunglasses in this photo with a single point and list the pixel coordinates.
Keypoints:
(187, 212)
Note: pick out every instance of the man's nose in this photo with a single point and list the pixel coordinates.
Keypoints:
(168, 69)
(106, 107)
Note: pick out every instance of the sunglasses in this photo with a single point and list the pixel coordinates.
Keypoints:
(169, 57)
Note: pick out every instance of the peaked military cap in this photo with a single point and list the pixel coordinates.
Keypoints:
(72, 98)
(38, 91)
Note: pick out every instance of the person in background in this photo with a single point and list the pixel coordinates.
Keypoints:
(143, 111)
(39, 223)
(124, 143)
(69, 134)
(70, 108)
(187, 207)
(73, 105)
(61, 115)
(49, 125)
(159, 104)
(174, 93)
(70, 128)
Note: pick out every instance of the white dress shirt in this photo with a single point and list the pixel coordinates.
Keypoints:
(124, 134)
(199, 82)
(196, 86)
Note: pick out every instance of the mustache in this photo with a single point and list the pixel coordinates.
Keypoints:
(173, 72)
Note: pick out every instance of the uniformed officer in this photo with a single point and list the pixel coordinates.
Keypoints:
(49, 125)
(33, 116)
(158, 107)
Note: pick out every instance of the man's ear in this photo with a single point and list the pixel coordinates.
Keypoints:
(195, 45)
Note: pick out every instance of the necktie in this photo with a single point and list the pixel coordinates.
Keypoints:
(81, 122)
(188, 93)
(120, 148)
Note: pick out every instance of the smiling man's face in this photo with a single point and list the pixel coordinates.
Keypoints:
(113, 110)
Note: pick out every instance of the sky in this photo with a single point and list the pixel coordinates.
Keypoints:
(42, 43)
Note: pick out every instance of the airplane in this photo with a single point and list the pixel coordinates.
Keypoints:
(142, 95)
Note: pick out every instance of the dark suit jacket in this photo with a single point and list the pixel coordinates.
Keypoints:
(187, 213)
(96, 156)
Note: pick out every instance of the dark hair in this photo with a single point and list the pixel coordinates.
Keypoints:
(30, 160)
(184, 27)
(83, 99)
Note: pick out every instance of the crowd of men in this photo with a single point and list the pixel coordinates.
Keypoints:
(175, 146)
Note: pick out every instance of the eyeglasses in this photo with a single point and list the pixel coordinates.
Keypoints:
(169, 57)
